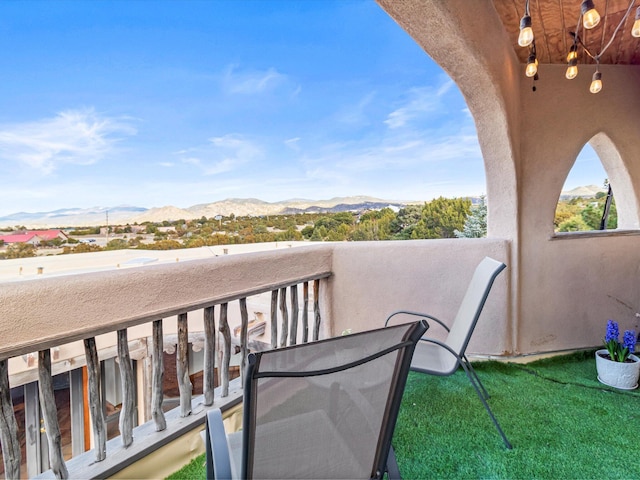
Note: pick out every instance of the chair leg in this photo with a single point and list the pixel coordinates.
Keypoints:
(484, 402)
(475, 376)
(393, 471)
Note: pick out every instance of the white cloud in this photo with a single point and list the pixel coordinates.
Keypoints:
(79, 137)
(293, 143)
(356, 115)
(420, 102)
(250, 83)
(222, 154)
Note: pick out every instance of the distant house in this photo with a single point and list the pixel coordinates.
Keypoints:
(30, 238)
(33, 237)
(49, 234)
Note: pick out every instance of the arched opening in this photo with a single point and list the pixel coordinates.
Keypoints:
(597, 194)
(584, 203)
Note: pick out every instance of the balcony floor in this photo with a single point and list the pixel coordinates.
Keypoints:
(561, 421)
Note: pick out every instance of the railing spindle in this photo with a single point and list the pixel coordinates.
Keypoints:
(295, 311)
(182, 366)
(127, 381)
(244, 325)
(8, 426)
(95, 399)
(274, 319)
(209, 356)
(226, 350)
(157, 377)
(50, 415)
(316, 309)
(305, 312)
(284, 331)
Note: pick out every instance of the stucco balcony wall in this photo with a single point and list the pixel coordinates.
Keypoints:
(373, 279)
(50, 312)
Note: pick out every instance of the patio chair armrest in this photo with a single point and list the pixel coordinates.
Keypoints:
(218, 456)
(443, 345)
(417, 314)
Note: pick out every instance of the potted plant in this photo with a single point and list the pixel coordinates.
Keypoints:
(616, 364)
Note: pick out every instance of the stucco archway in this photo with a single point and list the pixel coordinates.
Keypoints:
(489, 79)
(614, 165)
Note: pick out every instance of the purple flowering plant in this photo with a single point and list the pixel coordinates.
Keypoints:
(619, 352)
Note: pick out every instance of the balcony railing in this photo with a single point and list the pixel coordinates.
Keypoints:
(293, 281)
(305, 293)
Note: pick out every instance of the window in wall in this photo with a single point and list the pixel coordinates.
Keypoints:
(584, 196)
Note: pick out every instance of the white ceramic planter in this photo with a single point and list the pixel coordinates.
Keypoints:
(618, 374)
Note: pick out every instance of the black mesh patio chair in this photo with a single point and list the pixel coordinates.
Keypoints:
(443, 358)
(318, 410)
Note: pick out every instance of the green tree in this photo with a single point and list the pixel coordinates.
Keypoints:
(117, 244)
(374, 225)
(475, 226)
(20, 250)
(405, 222)
(573, 224)
(442, 217)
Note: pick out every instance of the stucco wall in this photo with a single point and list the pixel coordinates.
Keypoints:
(373, 279)
(570, 287)
(44, 313)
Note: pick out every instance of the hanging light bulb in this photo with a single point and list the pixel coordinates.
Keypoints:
(596, 82)
(573, 53)
(590, 16)
(572, 69)
(526, 32)
(635, 31)
(532, 66)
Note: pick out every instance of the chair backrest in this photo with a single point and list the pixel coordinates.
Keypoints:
(326, 409)
(472, 304)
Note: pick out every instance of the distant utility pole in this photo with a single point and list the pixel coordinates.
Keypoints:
(107, 213)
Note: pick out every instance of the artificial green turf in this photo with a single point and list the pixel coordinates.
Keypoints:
(561, 421)
(193, 470)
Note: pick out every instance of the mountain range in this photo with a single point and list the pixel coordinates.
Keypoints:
(122, 214)
(70, 217)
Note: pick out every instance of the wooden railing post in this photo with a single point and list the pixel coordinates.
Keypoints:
(182, 366)
(95, 399)
(316, 309)
(157, 377)
(127, 381)
(285, 317)
(209, 355)
(50, 414)
(274, 318)
(8, 426)
(295, 310)
(244, 319)
(226, 350)
(305, 312)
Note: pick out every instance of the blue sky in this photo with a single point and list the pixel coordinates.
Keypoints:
(154, 103)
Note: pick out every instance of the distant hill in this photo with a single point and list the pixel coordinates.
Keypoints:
(590, 191)
(72, 217)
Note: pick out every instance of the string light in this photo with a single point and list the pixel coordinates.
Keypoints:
(532, 66)
(588, 19)
(590, 16)
(596, 82)
(572, 69)
(635, 31)
(526, 32)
